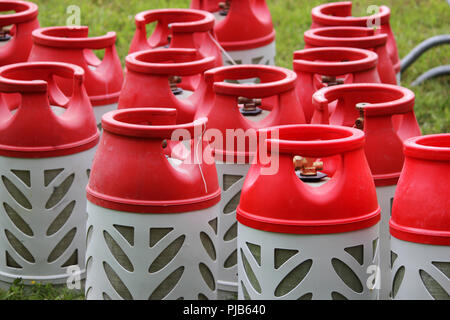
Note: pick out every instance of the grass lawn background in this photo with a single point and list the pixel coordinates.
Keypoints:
(411, 21)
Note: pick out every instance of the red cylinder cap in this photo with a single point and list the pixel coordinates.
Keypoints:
(388, 119)
(347, 202)
(24, 21)
(248, 25)
(147, 81)
(208, 5)
(421, 208)
(220, 103)
(72, 45)
(177, 28)
(149, 183)
(34, 131)
(340, 14)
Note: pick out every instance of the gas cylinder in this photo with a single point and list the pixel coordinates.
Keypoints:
(104, 78)
(355, 37)
(45, 160)
(235, 111)
(152, 219)
(177, 28)
(420, 222)
(325, 67)
(386, 115)
(340, 14)
(15, 30)
(309, 236)
(219, 8)
(246, 33)
(165, 77)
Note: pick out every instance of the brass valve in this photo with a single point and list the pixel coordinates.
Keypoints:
(224, 7)
(359, 123)
(302, 164)
(173, 81)
(249, 104)
(332, 81)
(5, 34)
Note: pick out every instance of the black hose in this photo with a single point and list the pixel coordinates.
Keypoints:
(422, 48)
(435, 72)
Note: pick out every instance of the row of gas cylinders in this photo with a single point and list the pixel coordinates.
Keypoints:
(213, 180)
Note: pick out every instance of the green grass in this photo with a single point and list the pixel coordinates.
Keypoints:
(38, 291)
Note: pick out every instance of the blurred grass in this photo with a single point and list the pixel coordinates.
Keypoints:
(412, 21)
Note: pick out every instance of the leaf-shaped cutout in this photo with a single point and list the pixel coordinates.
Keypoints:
(72, 261)
(444, 267)
(88, 173)
(398, 278)
(245, 292)
(213, 224)
(257, 60)
(433, 287)
(167, 255)
(62, 245)
(117, 252)
(208, 245)
(61, 219)
(167, 285)
(19, 247)
(337, 296)
(201, 296)
(374, 248)
(89, 264)
(357, 252)
(156, 235)
(231, 233)
(250, 274)
(16, 194)
(306, 296)
(293, 278)
(24, 176)
(231, 206)
(347, 275)
(17, 220)
(10, 262)
(180, 298)
(229, 180)
(207, 276)
(105, 296)
(231, 261)
(116, 282)
(255, 250)
(89, 235)
(127, 233)
(283, 255)
(60, 191)
(393, 258)
(50, 175)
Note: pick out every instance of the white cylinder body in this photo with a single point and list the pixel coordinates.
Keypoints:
(385, 197)
(151, 256)
(263, 55)
(99, 111)
(278, 266)
(419, 271)
(231, 179)
(43, 217)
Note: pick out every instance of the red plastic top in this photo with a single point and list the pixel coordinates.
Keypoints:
(421, 209)
(23, 22)
(188, 28)
(147, 85)
(347, 202)
(148, 182)
(248, 25)
(208, 5)
(34, 131)
(351, 65)
(388, 120)
(355, 37)
(340, 14)
(71, 44)
(220, 103)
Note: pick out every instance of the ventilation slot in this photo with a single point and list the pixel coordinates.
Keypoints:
(293, 278)
(62, 246)
(16, 194)
(126, 232)
(231, 206)
(307, 296)
(208, 245)
(255, 251)
(245, 292)
(167, 255)
(398, 278)
(201, 296)
(19, 247)
(116, 282)
(337, 296)
(433, 287)
(50, 175)
(207, 276)
(357, 252)
(62, 218)
(60, 191)
(10, 262)
(17, 220)
(167, 285)
(374, 248)
(283, 255)
(89, 235)
(444, 267)
(156, 234)
(118, 253)
(250, 274)
(229, 180)
(106, 297)
(231, 233)
(231, 261)
(347, 275)
(393, 258)
(24, 176)
(213, 224)
(72, 261)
